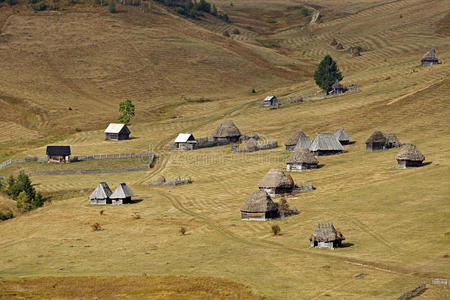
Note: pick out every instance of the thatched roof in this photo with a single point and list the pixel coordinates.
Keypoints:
(293, 140)
(122, 192)
(276, 178)
(326, 142)
(226, 129)
(410, 152)
(342, 135)
(430, 55)
(302, 155)
(251, 145)
(259, 201)
(303, 142)
(337, 85)
(102, 191)
(391, 138)
(377, 137)
(325, 232)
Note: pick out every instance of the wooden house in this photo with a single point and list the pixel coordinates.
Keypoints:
(185, 141)
(227, 131)
(301, 159)
(303, 142)
(342, 136)
(292, 142)
(276, 183)
(117, 132)
(429, 58)
(59, 154)
(121, 195)
(326, 236)
(409, 157)
(101, 194)
(337, 88)
(259, 207)
(326, 144)
(271, 101)
(377, 141)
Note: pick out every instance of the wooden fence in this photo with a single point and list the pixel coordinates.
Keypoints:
(440, 281)
(413, 293)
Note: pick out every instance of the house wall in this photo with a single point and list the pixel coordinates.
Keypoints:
(300, 167)
(290, 148)
(58, 158)
(374, 146)
(327, 152)
(251, 216)
(403, 164)
(98, 201)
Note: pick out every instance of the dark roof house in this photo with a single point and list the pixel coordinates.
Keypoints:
(58, 153)
(259, 206)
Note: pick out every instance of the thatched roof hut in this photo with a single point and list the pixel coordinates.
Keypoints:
(342, 136)
(301, 159)
(121, 195)
(101, 194)
(377, 141)
(227, 131)
(326, 144)
(429, 58)
(326, 236)
(392, 140)
(259, 206)
(293, 140)
(276, 182)
(409, 156)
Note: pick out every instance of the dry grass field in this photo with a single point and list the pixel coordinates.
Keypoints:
(396, 222)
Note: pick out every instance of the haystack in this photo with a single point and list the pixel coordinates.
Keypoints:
(409, 156)
(227, 131)
(326, 236)
(326, 144)
(101, 194)
(276, 182)
(259, 206)
(430, 58)
(301, 159)
(292, 142)
(342, 136)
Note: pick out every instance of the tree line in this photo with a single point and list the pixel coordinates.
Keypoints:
(194, 9)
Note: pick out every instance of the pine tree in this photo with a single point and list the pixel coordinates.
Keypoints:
(112, 6)
(327, 73)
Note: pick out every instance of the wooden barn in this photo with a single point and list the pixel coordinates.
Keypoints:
(292, 142)
(121, 195)
(60, 154)
(326, 144)
(259, 207)
(271, 101)
(409, 157)
(377, 141)
(342, 136)
(337, 88)
(101, 194)
(301, 159)
(185, 141)
(227, 131)
(276, 183)
(326, 236)
(429, 58)
(117, 132)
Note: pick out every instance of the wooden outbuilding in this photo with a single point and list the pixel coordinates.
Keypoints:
(60, 154)
(185, 141)
(271, 101)
(117, 132)
(409, 157)
(301, 159)
(392, 141)
(430, 58)
(326, 144)
(121, 195)
(337, 88)
(101, 194)
(342, 136)
(326, 236)
(303, 142)
(227, 131)
(276, 183)
(259, 207)
(377, 141)
(292, 142)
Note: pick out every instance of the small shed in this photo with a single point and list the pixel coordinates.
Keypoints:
(117, 132)
(337, 88)
(377, 141)
(227, 131)
(121, 195)
(292, 142)
(409, 157)
(430, 58)
(259, 207)
(101, 194)
(326, 144)
(271, 101)
(59, 154)
(276, 183)
(301, 159)
(326, 236)
(342, 136)
(185, 141)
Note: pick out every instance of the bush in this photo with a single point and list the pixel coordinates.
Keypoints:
(276, 229)
(225, 18)
(253, 91)
(112, 7)
(7, 215)
(226, 33)
(236, 31)
(271, 20)
(305, 12)
(182, 231)
(39, 6)
(96, 227)
(11, 2)
(33, 1)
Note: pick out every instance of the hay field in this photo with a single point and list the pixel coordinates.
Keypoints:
(395, 221)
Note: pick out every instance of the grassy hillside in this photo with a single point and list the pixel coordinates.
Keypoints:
(395, 221)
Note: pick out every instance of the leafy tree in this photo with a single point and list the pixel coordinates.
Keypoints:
(126, 109)
(112, 6)
(327, 73)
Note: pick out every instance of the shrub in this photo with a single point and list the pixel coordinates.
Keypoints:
(236, 31)
(96, 227)
(101, 212)
(253, 91)
(11, 2)
(226, 33)
(305, 12)
(271, 20)
(225, 18)
(112, 7)
(7, 215)
(33, 1)
(276, 229)
(182, 231)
